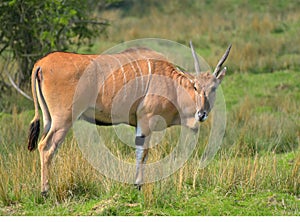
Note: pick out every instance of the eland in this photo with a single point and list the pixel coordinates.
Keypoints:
(69, 86)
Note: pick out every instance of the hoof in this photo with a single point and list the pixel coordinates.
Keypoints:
(138, 186)
(44, 194)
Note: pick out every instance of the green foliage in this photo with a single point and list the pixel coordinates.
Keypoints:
(30, 29)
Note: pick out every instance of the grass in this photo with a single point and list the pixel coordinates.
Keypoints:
(257, 169)
(256, 172)
(265, 36)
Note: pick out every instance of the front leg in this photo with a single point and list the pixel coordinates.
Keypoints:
(141, 143)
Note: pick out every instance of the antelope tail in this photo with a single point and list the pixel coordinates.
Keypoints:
(34, 129)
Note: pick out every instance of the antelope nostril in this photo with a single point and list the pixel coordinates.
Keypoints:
(202, 116)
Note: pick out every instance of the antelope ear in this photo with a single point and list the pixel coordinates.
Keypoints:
(221, 74)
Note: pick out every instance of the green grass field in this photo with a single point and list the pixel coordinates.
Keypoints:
(255, 172)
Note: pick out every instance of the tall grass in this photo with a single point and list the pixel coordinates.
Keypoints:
(264, 34)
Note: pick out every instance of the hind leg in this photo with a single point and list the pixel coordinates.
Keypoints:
(47, 148)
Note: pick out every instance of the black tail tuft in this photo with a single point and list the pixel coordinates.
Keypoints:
(34, 132)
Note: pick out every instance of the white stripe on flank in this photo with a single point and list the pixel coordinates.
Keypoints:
(150, 76)
(106, 77)
(137, 62)
(149, 67)
(141, 73)
(103, 85)
(98, 77)
(123, 72)
(131, 60)
(114, 79)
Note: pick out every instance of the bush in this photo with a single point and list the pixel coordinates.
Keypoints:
(30, 29)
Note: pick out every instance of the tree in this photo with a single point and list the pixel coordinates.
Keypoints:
(31, 28)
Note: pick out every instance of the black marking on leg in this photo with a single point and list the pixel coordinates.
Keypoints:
(140, 140)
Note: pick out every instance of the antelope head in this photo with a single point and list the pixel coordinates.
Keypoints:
(206, 84)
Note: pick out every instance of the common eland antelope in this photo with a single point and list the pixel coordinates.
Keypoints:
(69, 86)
